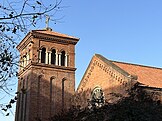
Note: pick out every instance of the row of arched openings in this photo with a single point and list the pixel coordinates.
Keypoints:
(53, 57)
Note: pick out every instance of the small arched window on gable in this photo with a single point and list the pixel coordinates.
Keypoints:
(63, 58)
(53, 57)
(43, 55)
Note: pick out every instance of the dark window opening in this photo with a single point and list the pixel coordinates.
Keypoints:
(43, 55)
(67, 60)
(63, 91)
(63, 58)
(52, 102)
(53, 57)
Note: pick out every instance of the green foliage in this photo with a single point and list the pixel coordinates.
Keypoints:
(140, 105)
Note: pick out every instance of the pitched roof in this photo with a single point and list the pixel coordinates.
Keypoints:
(149, 76)
(48, 32)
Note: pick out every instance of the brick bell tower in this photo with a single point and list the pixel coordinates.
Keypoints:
(46, 76)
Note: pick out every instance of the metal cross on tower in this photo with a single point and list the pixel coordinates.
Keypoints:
(47, 21)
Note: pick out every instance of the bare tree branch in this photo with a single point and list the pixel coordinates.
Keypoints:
(16, 18)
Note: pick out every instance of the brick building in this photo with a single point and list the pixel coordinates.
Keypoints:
(116, 77)
(47, 76)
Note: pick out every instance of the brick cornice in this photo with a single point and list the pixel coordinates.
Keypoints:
(58, 39)
(46, 37)
(108, 62)
(47, 66)
(53, 66)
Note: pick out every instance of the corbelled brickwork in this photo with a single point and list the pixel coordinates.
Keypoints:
(108, 76)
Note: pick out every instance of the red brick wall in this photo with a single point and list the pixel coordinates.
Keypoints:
(105, 76)
(45, 94)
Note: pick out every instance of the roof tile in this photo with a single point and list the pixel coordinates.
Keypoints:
(48, 32)
(150, 76)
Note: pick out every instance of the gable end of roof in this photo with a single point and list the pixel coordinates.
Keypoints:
(108, 62)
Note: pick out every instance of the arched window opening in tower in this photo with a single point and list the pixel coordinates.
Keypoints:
(52, 101)
(43, 55)
(28, 57)
(53, 57)
(24, 60)
(63, 58)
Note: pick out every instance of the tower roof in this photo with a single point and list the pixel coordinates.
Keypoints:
(53, 33)
(48, 34)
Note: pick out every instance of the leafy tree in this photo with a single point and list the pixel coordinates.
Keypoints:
(140, 105)
(16, 18)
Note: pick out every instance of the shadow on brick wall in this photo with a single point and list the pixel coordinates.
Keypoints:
(43, 98)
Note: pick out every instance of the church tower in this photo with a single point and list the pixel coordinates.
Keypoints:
(46, 75)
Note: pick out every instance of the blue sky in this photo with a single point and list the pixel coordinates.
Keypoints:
(122, 30)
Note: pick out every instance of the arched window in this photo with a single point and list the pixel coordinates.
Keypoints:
(43, 55)
(24, 60)
(63, 58)
(52, 101)
(63, 91)
(29, 57)
(53, 57)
